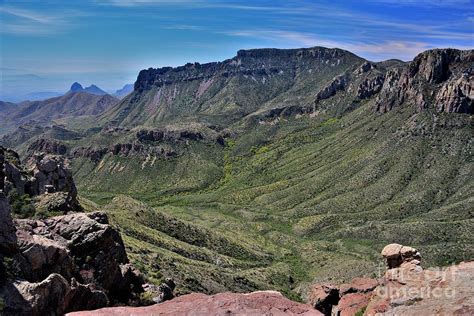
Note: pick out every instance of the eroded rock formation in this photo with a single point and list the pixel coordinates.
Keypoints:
(407, 289)
(70, 262)
(46, 177)
(337, 84)
(441, 78)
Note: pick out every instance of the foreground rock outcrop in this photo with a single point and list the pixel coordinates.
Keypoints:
(407, 289)
(343, 300)
(58, 264)
(66, 263)
(45, 177)
(256, 303)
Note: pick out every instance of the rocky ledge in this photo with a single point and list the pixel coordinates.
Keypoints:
(65, 263)
(256, 303)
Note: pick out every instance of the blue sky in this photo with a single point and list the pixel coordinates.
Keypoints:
(45, 45)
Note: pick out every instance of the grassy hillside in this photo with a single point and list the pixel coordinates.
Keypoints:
(311, 198)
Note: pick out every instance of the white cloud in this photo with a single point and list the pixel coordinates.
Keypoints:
(28, 15)
(20, 21)
(425, 3)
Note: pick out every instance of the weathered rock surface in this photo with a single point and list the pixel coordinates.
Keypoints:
(70, 262)
(358, 285)
(7, 230)
(47, 146)
(342, 300)
(337, 84)
(397, 255)
(407, 289)
(457, 95)
(441, 78)
(323, 297)
(370, 86)
(256, 303)
(123, 150)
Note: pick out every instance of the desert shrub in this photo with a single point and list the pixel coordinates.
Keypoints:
(21, 205)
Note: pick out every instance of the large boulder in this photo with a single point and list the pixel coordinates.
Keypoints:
(43, 256)
(51, 296)
(396, 255)
(48, 297)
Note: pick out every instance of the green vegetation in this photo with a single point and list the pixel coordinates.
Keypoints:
(361, 311)
(22, 205)
(304, 200)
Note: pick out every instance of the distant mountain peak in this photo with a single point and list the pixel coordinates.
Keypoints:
(93, 89)
(76, 86)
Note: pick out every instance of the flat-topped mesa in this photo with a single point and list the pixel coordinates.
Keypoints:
(271, 60)
(312, 52)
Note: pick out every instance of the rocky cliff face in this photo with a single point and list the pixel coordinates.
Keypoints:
(439, 78)
(222, 92)
(254, 62)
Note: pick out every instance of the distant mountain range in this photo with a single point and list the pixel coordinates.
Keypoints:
(75, 87)
(78, 101)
